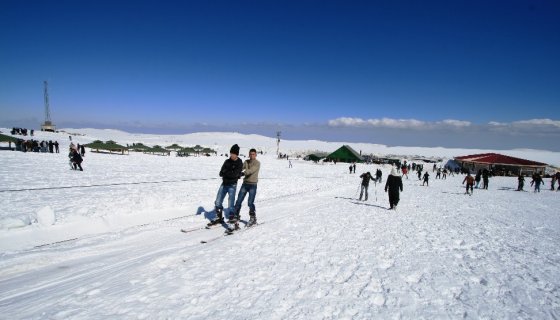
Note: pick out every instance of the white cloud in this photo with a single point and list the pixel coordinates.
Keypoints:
(397, 123)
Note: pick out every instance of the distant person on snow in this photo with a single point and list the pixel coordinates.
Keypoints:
(537, 181)
(426, 178)
(477, 178)
(404, 171)
(557, 175)
(366, 177)
(76, 160)
(350, 168)
(250, 172)
(520, 182)
(230, 173)
(470, 182)
(485, 176)
(419, 174)
(393, 186)
(379, 175)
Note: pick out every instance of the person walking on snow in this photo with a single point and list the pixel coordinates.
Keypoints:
(250, 172)
(520, 182)
(393, 186)
(477, 178)
(537, 181)
(426, 177)
(366, 177)
(470, 182)
(230, 173)
(404, 171)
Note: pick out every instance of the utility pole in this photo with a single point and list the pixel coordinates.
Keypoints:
(278, 143)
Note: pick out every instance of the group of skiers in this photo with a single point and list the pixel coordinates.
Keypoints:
(537, 181)
(232, 170)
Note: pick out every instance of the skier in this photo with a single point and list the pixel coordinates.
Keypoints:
(426, 177)
(419, 174)
(537, 181)
(354, 167)
(404, 171)
(470, 182)
(520, 182)
(477, 178)
(250, 172)
(393, 185)
(485, 176)
(366, 177)
(230, 173)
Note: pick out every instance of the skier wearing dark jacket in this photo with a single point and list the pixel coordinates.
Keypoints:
(394, 186)
(230, 173)
(366, 177)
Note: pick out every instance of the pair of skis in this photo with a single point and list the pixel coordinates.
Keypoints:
(230, 229)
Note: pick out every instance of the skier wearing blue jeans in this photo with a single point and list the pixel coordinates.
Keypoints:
(251, 169)
(230, 173)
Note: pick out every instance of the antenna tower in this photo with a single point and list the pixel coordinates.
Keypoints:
(48, 125)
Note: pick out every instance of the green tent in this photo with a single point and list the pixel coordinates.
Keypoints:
(157, 149)
(345, 154)
(315, 157)
(174, 147)
(138, 147)
(108, 146)
(8, 139)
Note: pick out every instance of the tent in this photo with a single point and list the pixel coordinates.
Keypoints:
(315, 157)
(500, 164)
(345, 154)
(108, 146)
(8, 139)
(158, 149)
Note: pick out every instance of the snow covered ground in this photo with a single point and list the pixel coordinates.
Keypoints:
(105, 242)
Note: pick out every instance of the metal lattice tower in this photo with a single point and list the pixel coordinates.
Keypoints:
(47, 108)
(48, 125)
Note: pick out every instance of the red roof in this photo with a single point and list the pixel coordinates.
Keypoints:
(495, 158)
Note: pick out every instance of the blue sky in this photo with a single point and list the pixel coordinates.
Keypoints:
(433, 73)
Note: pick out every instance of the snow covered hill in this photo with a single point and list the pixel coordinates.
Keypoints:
(105, 242)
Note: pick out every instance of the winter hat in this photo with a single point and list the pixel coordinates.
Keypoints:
(234, 149)
(393, 172)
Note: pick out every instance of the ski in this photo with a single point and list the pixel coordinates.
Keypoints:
(229, 233)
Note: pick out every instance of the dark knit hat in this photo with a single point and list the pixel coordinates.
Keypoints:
(234, 149)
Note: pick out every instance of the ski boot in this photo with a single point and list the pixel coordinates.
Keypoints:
(219, 218)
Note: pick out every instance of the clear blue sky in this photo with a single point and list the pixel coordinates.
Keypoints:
(314, 69)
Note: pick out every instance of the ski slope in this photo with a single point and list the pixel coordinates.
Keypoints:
(115, 249)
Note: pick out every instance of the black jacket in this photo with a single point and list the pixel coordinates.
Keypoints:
(77, 158)
(393, 184)
(231, 171)
(365, 179)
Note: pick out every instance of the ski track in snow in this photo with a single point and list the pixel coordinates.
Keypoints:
(320, 253)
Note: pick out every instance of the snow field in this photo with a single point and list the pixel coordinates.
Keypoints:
(318, 254)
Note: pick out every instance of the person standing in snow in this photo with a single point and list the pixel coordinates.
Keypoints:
(250, 172)
(354, 167)
(379, 175)
(477, 178)
(366, 177)
(470, 182)
(426, 178)
(557, 175)
(230, 173)
(350, 168)
(520, 182)
(485, 176)
(537, 181)
(76, 159)
(405, 171)
(393, 186)
(419, 174)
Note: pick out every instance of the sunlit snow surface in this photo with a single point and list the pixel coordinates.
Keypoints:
(115, 250)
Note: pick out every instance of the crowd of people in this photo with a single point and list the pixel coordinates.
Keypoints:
(36, 146)
(21, 131)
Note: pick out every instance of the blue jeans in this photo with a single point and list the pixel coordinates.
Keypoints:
(230, 190)
(252, 190)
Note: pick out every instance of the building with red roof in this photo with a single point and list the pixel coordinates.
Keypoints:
(500, 164)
